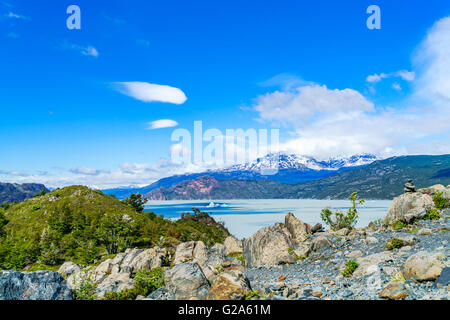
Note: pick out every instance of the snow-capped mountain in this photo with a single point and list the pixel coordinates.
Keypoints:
(283, 168)
(299, 162)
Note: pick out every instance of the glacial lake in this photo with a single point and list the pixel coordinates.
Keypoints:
(245, 217)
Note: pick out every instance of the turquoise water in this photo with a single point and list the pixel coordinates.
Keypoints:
(245, 217)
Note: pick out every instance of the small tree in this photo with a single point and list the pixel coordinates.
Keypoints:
(136, 201)
(338, 220)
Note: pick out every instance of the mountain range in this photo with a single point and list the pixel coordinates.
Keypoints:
(381, 179)
(282, 168)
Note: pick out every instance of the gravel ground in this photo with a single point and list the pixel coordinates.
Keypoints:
(319, 275)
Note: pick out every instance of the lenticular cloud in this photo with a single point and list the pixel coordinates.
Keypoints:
(149, 92)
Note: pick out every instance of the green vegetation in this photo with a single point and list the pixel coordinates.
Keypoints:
(338, 220)
(85, 289)
(350, 267)
(251, 295)
(82, 225)
(145, 282)
(398, 277)
(432, 214)
(413, 230)
(439, 201)
(136, 202)
(397, 225)
(382, 179)
(394, 243)
(237, 255)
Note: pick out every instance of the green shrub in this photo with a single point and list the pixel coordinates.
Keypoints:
(147, 281)
(397, 225)
(40, 266)
(338, 220)
(433, 214)
(394, 243)
(413, 230)
(350, 267)
(237, 255)
(439, 201)
(252, 294)
(85, 289)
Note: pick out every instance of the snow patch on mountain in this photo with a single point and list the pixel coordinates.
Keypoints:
(301, 163)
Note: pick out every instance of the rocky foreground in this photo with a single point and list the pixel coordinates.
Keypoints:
(403, 256)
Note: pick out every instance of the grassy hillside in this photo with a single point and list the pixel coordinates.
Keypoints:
(382, 179)
(79, 224)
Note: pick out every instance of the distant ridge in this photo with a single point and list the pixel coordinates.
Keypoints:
(382, 179)
(18, 192)
(290, 169)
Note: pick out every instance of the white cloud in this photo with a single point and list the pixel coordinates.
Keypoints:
(433, 62)
(306, 102)
(13, 15)
(163, 123)
(404, 74)
(347, 124)
(285, 81)
(149, 92)
(374, 78)
(89, 51)
(84, 50)
(86, 171)
(396, 86)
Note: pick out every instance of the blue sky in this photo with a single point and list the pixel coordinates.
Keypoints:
(64, 120)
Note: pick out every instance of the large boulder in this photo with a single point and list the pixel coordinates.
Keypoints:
(210, 260)
(185, 252)
(273, 245)
(231, 285)
(436, 188)
(117, 274)
(394, 291)
(69, 268)
(39, 285)
(370, 264)
(299, 231)
(233, 245)
(409, 206)
(424, 266)
(186, 281)
(269, 246)
(320, 243)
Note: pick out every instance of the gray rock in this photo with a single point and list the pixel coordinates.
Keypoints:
(233, 245)
(444, 279)
(187, 281)
(230, 285)
(160, 294)
(409, 206)
(298, 230)
(68, 268)
(269, 246)
(39, 285)
(424, 266)
(424, 232)
(321, 242)
(370, 264)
